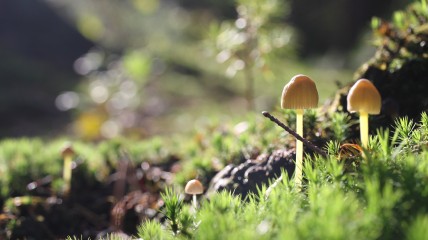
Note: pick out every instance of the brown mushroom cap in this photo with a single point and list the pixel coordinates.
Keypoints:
(364, 97)
(194, 187)
(300, 93)
(67, 150)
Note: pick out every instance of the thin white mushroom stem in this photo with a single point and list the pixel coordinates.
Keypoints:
(364, 128)
(194, 187)
(299, 148)
(195, 201)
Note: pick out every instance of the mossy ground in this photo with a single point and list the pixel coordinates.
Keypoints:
(377, 196)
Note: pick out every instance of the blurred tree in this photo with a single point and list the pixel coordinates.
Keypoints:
(246, 43)
(41, 47)
(148, 62)
(113, 94)
(322, 26)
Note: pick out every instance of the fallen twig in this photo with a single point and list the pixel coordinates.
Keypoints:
(297, 136)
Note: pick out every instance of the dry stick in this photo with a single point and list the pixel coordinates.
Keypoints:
(306, 142)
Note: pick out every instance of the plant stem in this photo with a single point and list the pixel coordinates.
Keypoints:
(364, 128)
(195, 202)
(174, 226)
(299, 148)
(66, 174)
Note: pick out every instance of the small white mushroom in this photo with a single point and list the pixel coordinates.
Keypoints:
(194, 187)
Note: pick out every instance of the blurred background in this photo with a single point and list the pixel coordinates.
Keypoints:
(100, 69)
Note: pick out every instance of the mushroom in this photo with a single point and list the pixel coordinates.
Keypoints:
(194, 187)
(363, 97)
(299, 94)
(67, 154)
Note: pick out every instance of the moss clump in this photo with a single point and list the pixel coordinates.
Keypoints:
(399, 68)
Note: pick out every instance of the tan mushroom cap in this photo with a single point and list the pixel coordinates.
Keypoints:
(67, 150)
(194, 187)
(364, 97)
(300, 93)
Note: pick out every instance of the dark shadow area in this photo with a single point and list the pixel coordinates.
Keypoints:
(335, 25)
(38, 49)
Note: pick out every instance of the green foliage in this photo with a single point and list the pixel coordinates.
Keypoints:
(384, 143)
(173, 205)
(186, 220)
(112, 236)
(255, 29)
(412, 136)
(215, 146)
(180, 221)
(382, 198)
(340, 123)
(404, 127)
(418, 228)
(22, 161)
(333, 148)
(74, 238)
(152, 230)
(401, 40)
